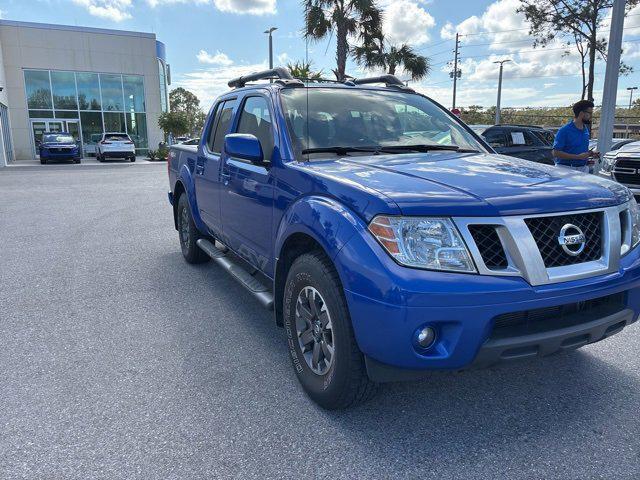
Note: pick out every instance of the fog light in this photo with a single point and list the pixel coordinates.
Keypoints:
(425, 337)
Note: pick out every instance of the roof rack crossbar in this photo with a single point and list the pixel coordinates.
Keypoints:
(386, 79)
(278, 72)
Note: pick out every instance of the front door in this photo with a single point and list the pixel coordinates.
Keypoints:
(40, 127)
(246, 196)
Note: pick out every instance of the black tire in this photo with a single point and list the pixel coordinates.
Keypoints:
(99, 157)
(43, 161)
(77, 160)
(132, 159)
(189, 234)
(345, 383)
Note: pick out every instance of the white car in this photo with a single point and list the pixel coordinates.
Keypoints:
(115, 145)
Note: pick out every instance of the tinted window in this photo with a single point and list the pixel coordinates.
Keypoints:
(336, 117)
(64, 90)
(88, 91)
(111, 93)
(496, 138)
(38, 89)
(256, 120)
(212, 130)
(226, 114)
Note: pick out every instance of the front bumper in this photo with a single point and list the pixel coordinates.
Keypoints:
(67, 155)
(388, 303)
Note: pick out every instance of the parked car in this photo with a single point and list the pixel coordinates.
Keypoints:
(623, 165)
(115, 145)
(390, 240)
(522, 141)
(193, 141)
(59, 146)
(616, 143)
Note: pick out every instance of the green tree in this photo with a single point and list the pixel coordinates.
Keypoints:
(581, 19)
(184, 101)
(303, 70)
(347, 18)
(390, 57)
(176, 123)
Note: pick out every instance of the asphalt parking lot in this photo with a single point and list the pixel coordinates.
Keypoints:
(119, 360)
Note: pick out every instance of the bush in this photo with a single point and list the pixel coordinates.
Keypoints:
(163, 152)
(152, 154)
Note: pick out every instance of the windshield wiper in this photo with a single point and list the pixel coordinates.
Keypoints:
(424, 148)
(339, 150)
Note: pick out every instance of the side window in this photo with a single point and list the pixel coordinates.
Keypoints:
(518, 138)
(212, 129)
(496, 138)
(226, 114)
(256, 120)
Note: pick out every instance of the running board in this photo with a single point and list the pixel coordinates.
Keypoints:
(248, 281)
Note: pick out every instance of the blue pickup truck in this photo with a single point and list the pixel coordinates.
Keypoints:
(390, 240)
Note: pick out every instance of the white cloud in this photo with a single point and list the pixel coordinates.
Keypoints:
(218, 58)
(115, 10)
(209, 83)
(406, 22)
(283, 58)
(253, 7)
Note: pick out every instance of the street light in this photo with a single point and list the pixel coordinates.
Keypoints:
(269, 32)
(501, 62)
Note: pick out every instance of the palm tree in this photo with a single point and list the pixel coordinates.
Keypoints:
(300, 69)
(359, 18)
(377, 54)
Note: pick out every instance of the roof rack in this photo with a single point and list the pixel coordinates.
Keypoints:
(389, 81)
(282, 74)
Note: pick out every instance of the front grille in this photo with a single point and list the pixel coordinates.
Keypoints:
(539, 320)
(546, 230)
(629, 177)
(489, 245)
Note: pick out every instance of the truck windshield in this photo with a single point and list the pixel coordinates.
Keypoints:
(340, 120)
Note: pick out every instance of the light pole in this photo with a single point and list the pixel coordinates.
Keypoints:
(501, 62)
(269, 32)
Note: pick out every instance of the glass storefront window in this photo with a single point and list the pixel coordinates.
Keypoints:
(66, 114)
(114, 122)
(111, 86)
(91, 127)
(88, 91)
(63, 85)
(40, 114)
(133, 93)
(137, 128)
(38, 89)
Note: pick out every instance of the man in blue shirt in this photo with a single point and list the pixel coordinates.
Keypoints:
(571, 145)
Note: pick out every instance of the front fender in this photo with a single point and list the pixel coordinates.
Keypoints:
(324, 219)
(186, 178)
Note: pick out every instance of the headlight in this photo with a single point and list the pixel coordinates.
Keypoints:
(607, 164)
(423, 242)
(634, 212)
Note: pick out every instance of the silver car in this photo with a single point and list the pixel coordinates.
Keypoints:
(623, 165)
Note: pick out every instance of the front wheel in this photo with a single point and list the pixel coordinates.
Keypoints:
(132, 159)
(325, 356)
(189, 234)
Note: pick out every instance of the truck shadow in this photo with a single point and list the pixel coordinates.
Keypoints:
(448, 413)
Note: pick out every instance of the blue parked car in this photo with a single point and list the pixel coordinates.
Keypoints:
(390, 240)
(59, 146)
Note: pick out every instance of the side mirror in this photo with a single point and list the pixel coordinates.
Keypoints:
(244, 146)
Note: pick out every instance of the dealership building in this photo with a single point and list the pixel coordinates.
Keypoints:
(80, 80)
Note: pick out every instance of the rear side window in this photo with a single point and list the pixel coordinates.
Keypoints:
(224, 115)
(496, 138)
(212, 129)
(256, 120)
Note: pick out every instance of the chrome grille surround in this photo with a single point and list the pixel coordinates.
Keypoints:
(524, 257)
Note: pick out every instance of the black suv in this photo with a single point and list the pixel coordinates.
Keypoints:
(522, 141)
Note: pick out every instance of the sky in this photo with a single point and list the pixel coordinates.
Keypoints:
(210, 41)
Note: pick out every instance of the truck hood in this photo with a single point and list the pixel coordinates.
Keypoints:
(459, 184)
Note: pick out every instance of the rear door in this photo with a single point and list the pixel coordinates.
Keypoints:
(247, 189)
(207, 169)
(497, 139)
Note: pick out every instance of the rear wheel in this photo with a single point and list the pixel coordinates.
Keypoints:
(189, 234)
(132, 159)
(325, 356)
